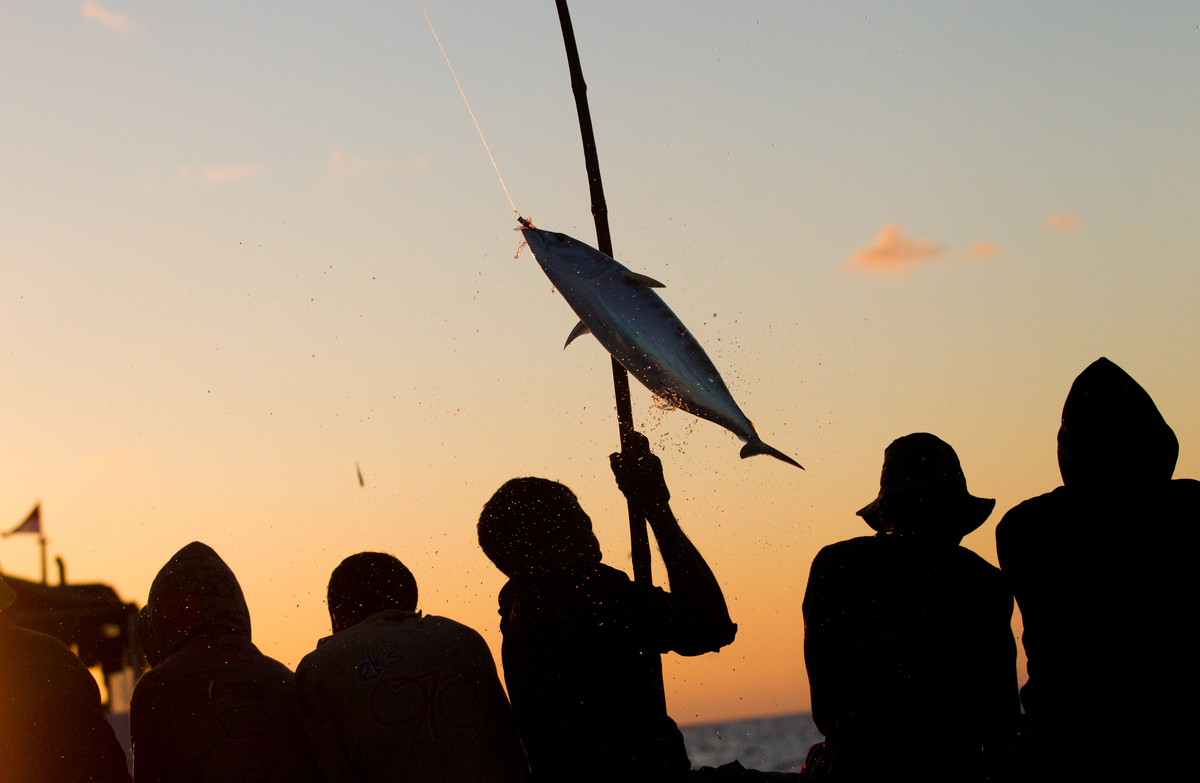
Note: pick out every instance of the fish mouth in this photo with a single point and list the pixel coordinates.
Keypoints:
(534, 238)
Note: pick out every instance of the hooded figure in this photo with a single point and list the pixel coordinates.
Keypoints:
(52, 726)
(1105, 595)
(907, 638)
(213, 708)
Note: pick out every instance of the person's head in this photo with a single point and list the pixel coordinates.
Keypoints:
(533, 524)
(1112, 433)
(922, 491)
(195, 594)
(367, 583)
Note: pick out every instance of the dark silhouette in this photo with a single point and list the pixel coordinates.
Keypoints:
(51, 724)
(1101, 568)
(907, 635)
(576, 631)
(394, 695)
(213, 707)
(90, 618)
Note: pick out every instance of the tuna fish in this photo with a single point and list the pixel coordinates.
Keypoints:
(634, 324)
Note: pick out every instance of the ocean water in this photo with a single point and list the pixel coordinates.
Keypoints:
(778, 743)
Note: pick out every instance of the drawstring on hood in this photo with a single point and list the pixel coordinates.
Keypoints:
(1112, 431)
(195, 594)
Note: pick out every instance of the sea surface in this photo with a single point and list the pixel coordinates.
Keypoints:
(778, 743)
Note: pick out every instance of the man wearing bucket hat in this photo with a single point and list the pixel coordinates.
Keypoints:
(907, 639)
(52, 726)
(1103, 571)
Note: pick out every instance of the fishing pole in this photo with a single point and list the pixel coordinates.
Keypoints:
(639, 538)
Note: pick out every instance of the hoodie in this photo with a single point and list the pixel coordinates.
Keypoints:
(1100, 571)
(213, 708)
(405, 697)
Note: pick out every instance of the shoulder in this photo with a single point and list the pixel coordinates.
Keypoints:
(1036, 506)
(1018, 521)
(972, 566)
(582, 574)
(1185, 488)
(845, 553)
(447, 627)
(834, 563)
(42, 658)
(22, 642)
(576, 582)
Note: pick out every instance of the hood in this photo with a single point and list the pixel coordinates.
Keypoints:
(195, 594)
(1112, 432)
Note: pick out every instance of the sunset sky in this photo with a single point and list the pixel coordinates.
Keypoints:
(245, 246)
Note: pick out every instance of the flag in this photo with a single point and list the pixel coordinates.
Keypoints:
(32, 523)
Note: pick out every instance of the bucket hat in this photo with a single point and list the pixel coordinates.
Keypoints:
(924, 462)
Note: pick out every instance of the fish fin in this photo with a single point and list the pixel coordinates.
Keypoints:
(580, 329)
(758, 447)
(635, 279)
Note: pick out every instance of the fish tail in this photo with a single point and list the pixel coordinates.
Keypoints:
(756, 446)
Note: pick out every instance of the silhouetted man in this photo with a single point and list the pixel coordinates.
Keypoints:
(394, 695)
(213, 708)
(577, 634)
(52, 727)
(1102, 570)
(907, 637)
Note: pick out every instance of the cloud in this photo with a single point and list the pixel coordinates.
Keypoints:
(113, 21)
(344, 165)
(1062, 221)
(892, 253)
(983, 249)
(231, 172)
(216, 175)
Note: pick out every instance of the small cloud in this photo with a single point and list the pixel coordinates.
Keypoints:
(983, 249)
(1062, 221)
(113, 21)
(344, 165)
(229, 173)
(892, 253)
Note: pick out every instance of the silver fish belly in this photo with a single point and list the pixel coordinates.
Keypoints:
(635, 325)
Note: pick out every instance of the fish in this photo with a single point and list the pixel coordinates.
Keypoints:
(621, 309)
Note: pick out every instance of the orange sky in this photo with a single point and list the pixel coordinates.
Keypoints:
(244, 248)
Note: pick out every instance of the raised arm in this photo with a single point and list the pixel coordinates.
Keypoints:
(693, 586)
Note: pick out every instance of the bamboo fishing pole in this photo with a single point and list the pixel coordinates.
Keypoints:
(638, 538)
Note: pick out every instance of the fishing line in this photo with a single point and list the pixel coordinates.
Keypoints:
(464, 97)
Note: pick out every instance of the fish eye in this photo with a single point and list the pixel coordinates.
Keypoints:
(562, 237)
